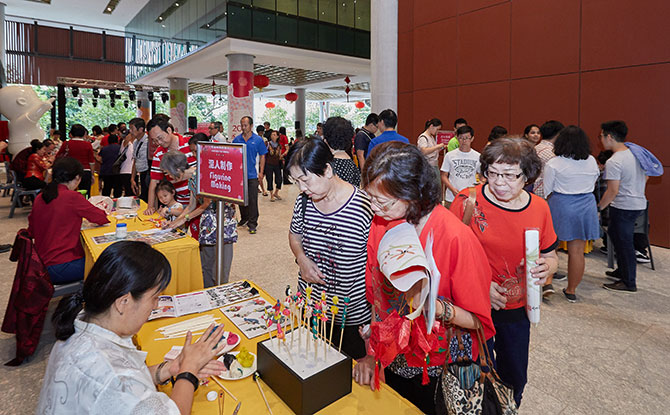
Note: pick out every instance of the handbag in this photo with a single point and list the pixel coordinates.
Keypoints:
(488, 395)
(116, 167)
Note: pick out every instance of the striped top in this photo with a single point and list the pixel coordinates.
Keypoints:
(182, 196)
(337, 242)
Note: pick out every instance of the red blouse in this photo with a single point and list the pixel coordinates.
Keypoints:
(35, 166)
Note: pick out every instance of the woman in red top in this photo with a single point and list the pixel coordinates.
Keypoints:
(35, 167)
(503, 210)
(402, 187)
(55, 222)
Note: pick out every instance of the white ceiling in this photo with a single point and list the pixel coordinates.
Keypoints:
(77, 12)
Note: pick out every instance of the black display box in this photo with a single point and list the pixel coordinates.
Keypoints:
(309, 395)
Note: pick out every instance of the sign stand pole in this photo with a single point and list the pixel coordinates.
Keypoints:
(219, 241)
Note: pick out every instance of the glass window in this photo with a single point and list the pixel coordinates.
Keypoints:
(264, 4)
(288, 6)
(327, 38)
(362, 13)
(345, 13)
(346, 40)
(363, 44)
(264, 25)
(287, 30)
(307, 8)
(239, 21)
(328, 11)
(307, 34)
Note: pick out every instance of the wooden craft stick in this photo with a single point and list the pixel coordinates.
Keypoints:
(223, 387)
(257, 378)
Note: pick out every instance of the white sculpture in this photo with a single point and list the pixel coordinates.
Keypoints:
(23, 108)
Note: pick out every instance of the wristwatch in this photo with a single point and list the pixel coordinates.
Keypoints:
(190, 377)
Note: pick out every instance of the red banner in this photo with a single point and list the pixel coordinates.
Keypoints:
(443, 137)
(221, 171)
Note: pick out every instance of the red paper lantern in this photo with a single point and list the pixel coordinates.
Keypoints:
(270, 105)
(291, 97)
(261, 81)
(360, 104)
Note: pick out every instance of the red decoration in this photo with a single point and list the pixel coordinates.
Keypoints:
(213, 86)
(270, 105)
(261, 81)
(360, 104)
(347, 80)
(291, 97)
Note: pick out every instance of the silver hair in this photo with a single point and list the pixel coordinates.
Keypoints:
(174, 162)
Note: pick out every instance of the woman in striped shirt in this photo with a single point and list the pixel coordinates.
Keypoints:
(328, 236)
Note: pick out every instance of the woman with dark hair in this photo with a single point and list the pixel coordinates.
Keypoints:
(55, 222)
(427, 143)
(501, 213)
(328, 234)
(273, 160)
(36, 166)
(403, 190)
(94, 367)
(109, 175)
(569, 181)
(497, 132)
(339, 134)
(532, 134)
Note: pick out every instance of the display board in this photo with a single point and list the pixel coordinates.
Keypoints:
(443, 136)
(222, 171)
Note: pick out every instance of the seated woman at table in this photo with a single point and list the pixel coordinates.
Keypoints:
(503, 210)
(95, 368)
(175, 165)
(55, 222)
(36, 167)
(402, 187)
(328, 234)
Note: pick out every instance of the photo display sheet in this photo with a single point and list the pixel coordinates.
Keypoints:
(249, 317)
(204, 300)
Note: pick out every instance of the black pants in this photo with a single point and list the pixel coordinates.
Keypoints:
(621, 230)
(285, 171)
(124, 183)
(86, 181)
(249, 213)
(33, 183)
(111, 182)
(273, 171)
(145, 179)
(423, 397)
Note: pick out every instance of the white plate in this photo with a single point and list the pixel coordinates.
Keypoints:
(246, 371)
(229, 347)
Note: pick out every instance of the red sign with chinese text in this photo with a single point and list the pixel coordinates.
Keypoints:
(443, 137)
(221, 171)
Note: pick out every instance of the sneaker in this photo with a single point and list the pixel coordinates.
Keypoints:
(570, 297)
(642, 258)
(613, 274)
(547, 290)
(559, 277)
(603, 250)
(241, 223)
(252, 231)
(5, 248)
(619, 286)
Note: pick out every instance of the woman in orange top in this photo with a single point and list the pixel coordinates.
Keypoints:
(36, 167)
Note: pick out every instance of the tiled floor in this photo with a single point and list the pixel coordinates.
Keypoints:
(606, 354)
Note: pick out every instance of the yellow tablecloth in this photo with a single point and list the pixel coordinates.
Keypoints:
(361, 400)
(183, 254)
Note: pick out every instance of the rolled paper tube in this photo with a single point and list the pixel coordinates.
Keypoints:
(533, 291)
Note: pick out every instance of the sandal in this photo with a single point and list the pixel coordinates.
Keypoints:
(278, 197)
(272, 199)
(265, 193)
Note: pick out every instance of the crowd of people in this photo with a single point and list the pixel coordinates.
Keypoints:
(469, 210)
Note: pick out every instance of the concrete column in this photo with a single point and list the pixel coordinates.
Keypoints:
(384, 55)
(143, 106)
(179, 104)
(240, 91)
(300, 108)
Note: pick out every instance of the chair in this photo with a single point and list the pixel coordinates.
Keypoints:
(18, 193)
(641, 226)
(67, 289)
(8, 185)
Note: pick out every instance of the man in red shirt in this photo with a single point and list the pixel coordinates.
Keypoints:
(79, 148)
(112, 129)
(160, 129)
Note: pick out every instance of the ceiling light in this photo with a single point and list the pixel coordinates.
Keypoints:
(75, 91)
(109, 9)
(94, 102)
(162, 25)
(150, 95)
(131, 95)
(126, 103)
(165, 97)
(96, 92)
(176, 4)
(80, 102)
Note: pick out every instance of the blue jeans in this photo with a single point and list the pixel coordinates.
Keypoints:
(67, 272)
(510, 348)
(621, 229)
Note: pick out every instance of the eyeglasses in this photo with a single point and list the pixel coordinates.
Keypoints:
(508, 177)
(383, 206)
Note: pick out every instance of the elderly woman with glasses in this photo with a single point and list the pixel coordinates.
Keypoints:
(403, 190)
(328, 236)
(502, 211)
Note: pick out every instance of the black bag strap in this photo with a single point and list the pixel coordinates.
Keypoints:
(303, 205)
